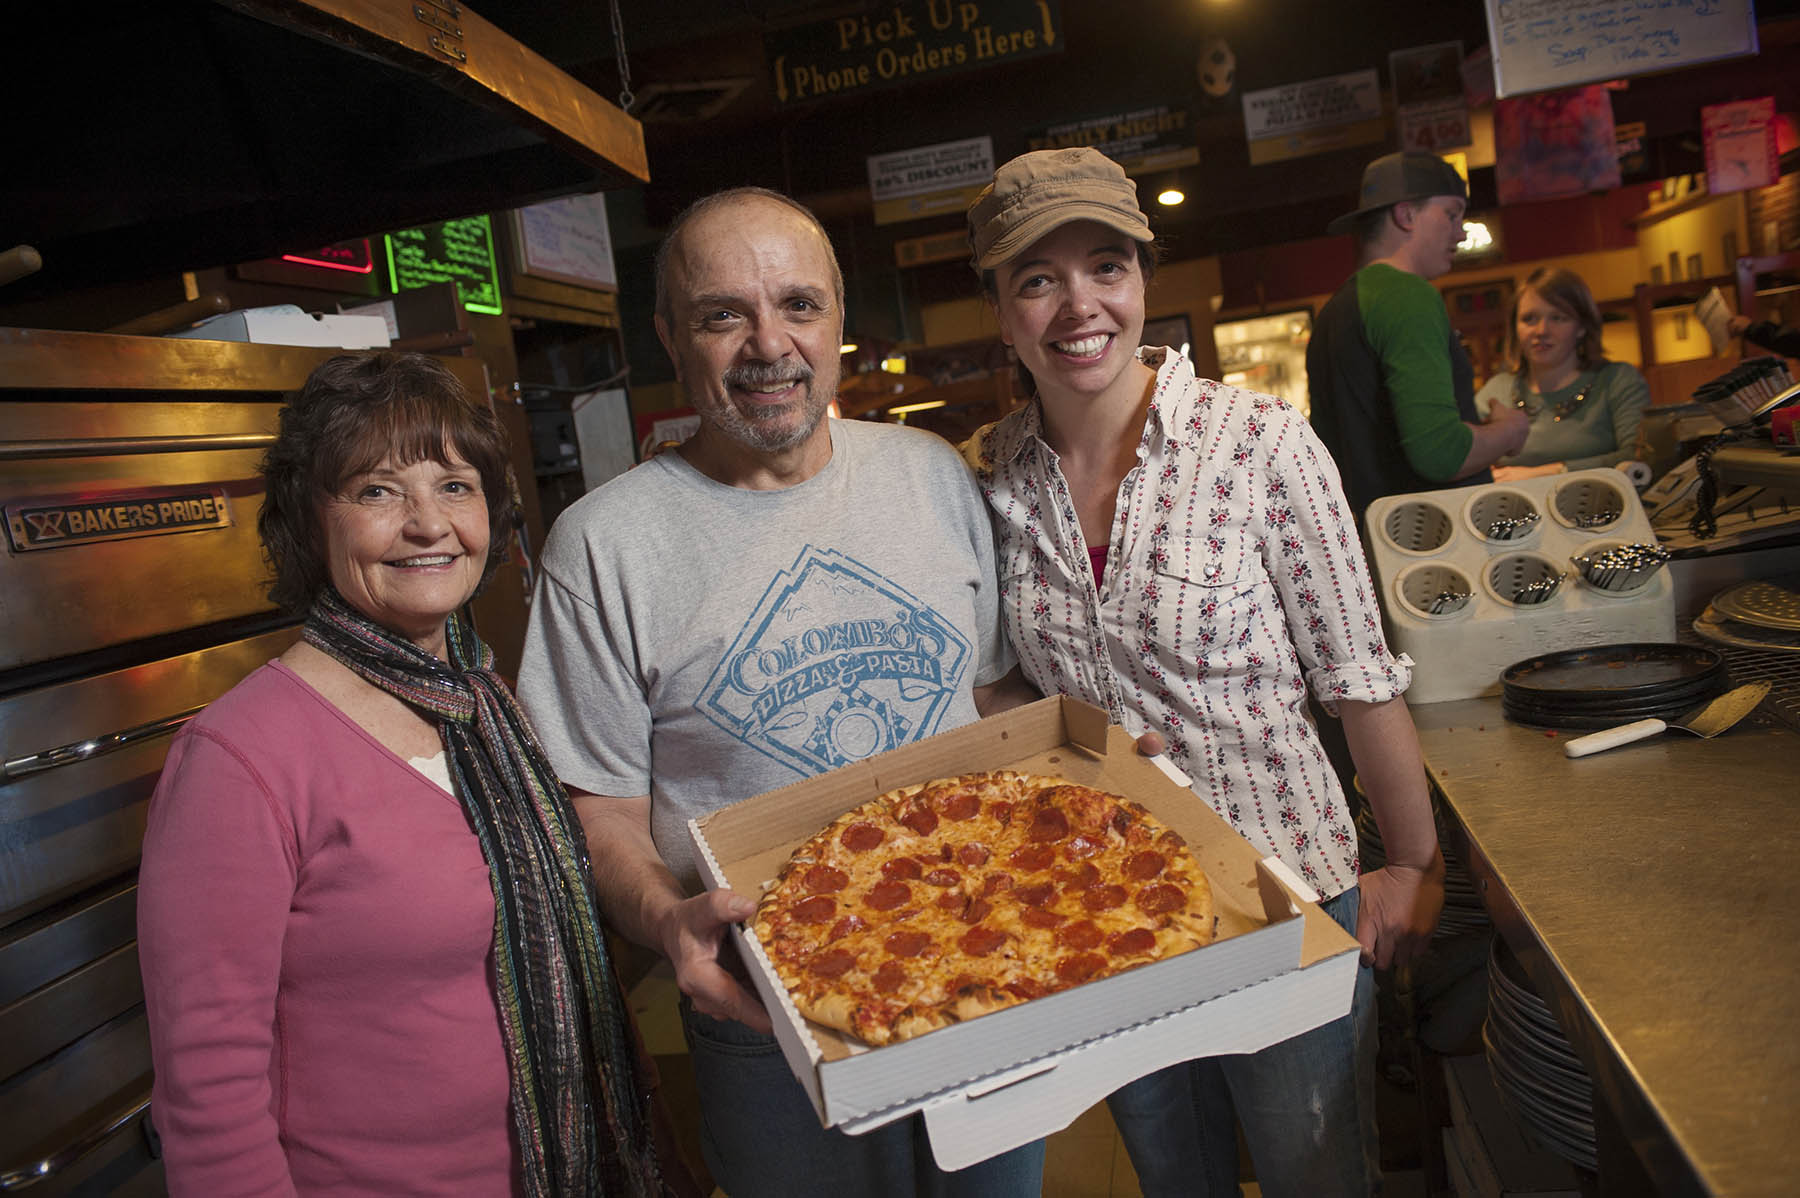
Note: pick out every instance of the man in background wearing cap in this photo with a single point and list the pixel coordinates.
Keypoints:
(781, 595)
(1393, 393)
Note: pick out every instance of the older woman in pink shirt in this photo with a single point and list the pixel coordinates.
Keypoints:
(371, 949)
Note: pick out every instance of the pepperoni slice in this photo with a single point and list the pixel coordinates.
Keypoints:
(1035, 895)
(1026, 988)
(1001, 812)
(1083, 933)
(922, 820)
(1159, 898)
(862, 836)
(885, 896)
(908, 942)
(995, 883)
(961, 806)
(900, 869)
(825, 879)
(1121, 821)
(1141, 867)
(981, 940)
(1034, 917)
(942, 877)
(1032, 857)
(1105, 898)
(1079, 968)
(973, 854)
(1080, 848)
(817, 909)
(845, 926)
(1081, 877)
(833, 962)
(889, 978)
(1047, 824)
(953, 900)
(1134, 943)
(977, 910)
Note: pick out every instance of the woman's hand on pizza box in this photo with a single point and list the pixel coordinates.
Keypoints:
(693, 933)
(1151, 744)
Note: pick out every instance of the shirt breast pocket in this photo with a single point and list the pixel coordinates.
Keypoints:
(1197, 601)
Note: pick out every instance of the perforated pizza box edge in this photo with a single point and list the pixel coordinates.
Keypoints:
(1271, 935)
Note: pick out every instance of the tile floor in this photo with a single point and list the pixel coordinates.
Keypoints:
(1084, 1160)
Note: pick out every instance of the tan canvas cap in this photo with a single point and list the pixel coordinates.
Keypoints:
(1037, 192)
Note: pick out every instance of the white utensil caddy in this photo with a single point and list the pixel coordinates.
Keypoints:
(1433, 541)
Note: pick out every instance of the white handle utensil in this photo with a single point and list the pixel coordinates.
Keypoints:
(1707, 720)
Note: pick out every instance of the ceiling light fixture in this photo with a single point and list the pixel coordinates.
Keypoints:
(1168, 197)
(848, 347)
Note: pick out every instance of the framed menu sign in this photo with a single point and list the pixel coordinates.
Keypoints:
(457, 251)
(566, 241)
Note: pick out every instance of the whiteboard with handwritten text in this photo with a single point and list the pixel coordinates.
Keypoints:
(1539, 45)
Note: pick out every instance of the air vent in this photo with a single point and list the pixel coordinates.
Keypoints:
(675, 103)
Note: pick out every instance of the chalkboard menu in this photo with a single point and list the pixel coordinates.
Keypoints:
(457, 251)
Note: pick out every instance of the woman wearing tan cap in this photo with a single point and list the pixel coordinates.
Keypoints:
(1180, 553)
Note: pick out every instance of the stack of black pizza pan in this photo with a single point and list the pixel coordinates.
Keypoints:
(1603, 686)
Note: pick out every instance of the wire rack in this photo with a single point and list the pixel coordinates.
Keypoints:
(1755, 665)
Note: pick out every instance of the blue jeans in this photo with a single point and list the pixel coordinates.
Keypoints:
(761, 1137)
(1307, 1106)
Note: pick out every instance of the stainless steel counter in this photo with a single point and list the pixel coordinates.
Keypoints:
(1653, 893)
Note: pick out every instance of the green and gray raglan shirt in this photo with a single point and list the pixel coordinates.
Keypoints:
(1392, 389)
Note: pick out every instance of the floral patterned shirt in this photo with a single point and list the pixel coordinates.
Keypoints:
(1234, 580)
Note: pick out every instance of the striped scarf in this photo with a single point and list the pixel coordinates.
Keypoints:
(579, 1106)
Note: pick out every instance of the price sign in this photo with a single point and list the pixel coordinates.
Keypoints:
(1434, 127)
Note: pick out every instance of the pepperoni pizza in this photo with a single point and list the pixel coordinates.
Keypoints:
(944, 901)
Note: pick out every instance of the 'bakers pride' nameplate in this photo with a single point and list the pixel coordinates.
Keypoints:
(54, 521)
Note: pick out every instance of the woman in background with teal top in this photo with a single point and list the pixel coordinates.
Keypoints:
(1585, 411)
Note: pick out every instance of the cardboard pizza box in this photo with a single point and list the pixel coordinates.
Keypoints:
(1279, 967)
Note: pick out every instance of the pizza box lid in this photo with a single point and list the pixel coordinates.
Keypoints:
(1066, 1051)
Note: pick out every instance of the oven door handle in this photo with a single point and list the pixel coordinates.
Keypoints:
(26, 1176)
(98, 746)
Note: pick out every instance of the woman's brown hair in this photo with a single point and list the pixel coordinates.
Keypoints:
(1565, 291)
(354, 412)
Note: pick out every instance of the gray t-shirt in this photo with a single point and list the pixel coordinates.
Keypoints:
(701, 643)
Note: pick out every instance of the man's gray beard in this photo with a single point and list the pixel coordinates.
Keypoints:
(761, 432)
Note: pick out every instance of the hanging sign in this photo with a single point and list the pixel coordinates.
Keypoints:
(895, 44)
(1740, 145)
(1297, 119)
(1142, 140)
(929, 180)
(1540, 45)
(1428, 97)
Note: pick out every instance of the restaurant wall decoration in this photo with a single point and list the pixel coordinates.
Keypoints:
(1155, 137)
(1740, 145)
(1297, 119)
(1555, 144)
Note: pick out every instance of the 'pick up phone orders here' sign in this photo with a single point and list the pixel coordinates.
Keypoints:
(898, 43)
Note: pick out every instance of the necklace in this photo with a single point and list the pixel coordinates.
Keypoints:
(1565, 408)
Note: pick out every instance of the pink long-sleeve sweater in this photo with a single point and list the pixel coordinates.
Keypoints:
(316, 927)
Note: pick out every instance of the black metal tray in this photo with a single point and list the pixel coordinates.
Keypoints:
(1641, 671)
